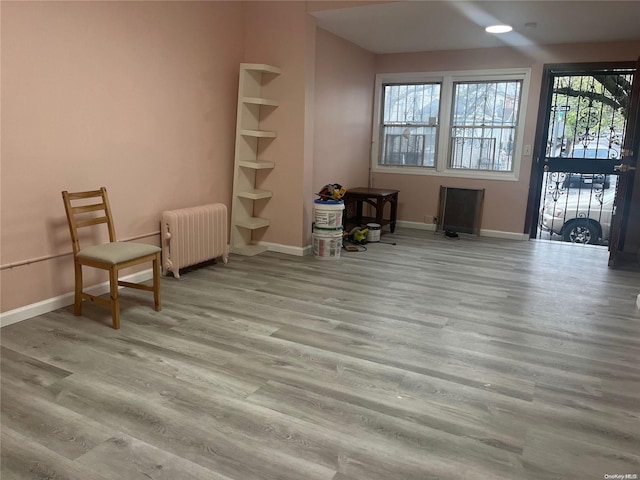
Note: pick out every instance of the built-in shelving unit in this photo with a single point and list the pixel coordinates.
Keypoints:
(252, 107)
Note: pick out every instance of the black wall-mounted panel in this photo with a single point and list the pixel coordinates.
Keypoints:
(460, 209)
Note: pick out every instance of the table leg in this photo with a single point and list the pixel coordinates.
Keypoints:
(394, 211)
(379, 211)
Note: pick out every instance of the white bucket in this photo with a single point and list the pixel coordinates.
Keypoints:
(328, 214)
(374, 232)
(327, 244)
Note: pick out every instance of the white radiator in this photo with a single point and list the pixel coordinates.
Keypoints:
(193, 235)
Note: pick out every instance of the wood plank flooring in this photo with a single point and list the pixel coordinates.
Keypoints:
(430, 359)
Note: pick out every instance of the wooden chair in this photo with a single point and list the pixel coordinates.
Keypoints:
(88, 209)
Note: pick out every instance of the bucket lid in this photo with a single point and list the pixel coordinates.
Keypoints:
(373, 225)
(328, 202)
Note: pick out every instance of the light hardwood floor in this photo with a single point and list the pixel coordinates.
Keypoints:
(431, 359)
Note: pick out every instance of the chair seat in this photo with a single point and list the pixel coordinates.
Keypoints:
(117, 252)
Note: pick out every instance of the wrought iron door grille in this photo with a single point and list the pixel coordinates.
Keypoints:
(587, 118)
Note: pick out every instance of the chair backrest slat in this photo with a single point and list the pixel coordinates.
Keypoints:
(90, 222)
(79, 216)
(89, 194)
(88, 208)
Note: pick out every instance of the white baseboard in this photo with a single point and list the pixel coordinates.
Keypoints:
(45, 306)
(287, 249)
(483, 232)
(416, 225)
(308, 250)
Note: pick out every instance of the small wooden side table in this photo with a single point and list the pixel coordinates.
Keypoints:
(377, 198)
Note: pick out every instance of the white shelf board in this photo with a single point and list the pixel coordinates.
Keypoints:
(252, 223)
(255, 194)
(261, 67)
(260, 101)
(258, 133)
(256, 164)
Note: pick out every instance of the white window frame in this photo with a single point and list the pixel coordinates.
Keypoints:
(447, 79)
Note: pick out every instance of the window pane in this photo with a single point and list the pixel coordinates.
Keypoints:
(414, 146)
(409, 124)
(484, 123)
(482, 148)
(405, 104)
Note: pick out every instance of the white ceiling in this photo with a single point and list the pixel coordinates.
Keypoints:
(423, 25)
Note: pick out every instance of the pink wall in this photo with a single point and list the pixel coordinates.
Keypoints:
(137, 96)
(282, 34)
(505, 201)
(344, 101)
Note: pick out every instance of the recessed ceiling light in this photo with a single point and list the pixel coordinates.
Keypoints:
(499, 28)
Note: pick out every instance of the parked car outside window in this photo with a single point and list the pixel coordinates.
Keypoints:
(593, 150)
(587, 180)
(579, 217)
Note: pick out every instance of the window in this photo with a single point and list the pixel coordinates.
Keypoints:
(409, 124)
(455, 123)
(483, 127)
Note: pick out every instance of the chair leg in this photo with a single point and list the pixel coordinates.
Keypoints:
(115, 299)
(156, 282)
(77, 304)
